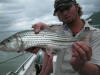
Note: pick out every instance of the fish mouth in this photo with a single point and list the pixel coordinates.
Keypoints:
(1, 47)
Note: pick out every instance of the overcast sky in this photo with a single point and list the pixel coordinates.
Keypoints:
(21, 14)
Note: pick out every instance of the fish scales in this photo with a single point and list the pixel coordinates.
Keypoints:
(27, 38)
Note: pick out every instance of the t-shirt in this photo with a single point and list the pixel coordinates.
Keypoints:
(63, 66)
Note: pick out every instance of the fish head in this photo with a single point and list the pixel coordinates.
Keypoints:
(10, 44)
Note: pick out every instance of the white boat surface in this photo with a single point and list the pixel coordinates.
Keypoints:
(27, 68)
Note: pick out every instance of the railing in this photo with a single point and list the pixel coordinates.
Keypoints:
(22, 67)
(11, 73)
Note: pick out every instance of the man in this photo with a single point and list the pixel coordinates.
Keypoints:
(85, 58)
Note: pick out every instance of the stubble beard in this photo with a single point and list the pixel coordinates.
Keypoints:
(69, 23)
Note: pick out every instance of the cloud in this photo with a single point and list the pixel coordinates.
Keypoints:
(26, 12)
(14, 11)
(17, 15)
(36, 8)
(89, 6)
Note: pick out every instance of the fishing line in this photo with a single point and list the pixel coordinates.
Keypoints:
(5, 61)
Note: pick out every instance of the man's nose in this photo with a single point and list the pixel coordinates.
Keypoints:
(64, 12)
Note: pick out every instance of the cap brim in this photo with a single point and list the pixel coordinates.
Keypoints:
(64, 4)
(61, 5)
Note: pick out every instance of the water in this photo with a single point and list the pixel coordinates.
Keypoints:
(11, 65)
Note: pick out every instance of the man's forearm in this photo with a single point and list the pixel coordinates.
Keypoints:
(89, 69)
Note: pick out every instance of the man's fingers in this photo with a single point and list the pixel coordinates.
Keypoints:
(78, 51)
(36, 28)
(84, 50)
(87, 49)
(39, 26)
(90, 54)
(72, 61)
(75, 53)
(33, 49)
(81, 52)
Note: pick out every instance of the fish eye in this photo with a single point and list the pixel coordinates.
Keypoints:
(8, 40)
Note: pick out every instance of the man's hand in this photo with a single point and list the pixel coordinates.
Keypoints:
(37, 28)
(81, 53)
(35, 49)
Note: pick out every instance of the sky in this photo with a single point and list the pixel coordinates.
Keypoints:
(21, 14)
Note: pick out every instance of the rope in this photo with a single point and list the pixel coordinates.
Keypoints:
(5, 61)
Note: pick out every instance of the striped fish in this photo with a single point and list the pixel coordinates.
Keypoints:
(23, 40)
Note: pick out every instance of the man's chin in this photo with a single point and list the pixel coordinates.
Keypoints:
(68, 22)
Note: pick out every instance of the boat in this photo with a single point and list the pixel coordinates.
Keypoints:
(28, 66)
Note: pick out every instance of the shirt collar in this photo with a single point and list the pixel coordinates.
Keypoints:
(86, 26)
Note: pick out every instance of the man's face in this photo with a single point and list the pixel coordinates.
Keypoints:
(67, 14)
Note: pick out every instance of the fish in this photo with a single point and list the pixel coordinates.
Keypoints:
(23, 40)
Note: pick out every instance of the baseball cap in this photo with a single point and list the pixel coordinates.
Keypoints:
(59, 3)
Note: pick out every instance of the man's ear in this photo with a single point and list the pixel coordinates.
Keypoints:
(77, 7)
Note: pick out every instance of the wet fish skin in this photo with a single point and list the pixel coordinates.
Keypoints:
(26, 39)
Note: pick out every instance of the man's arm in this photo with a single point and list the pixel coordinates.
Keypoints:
(89, 69)
(81, 54)
(47, 67)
